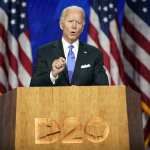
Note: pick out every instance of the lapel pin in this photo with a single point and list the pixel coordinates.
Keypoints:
(85, 52)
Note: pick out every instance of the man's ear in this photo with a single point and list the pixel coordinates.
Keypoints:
(61, 25)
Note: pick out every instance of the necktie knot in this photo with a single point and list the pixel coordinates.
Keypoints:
(70, 47)
(70, 62)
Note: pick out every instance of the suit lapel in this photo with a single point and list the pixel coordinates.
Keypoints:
(78, 62)
(80, 55)
(60, 50)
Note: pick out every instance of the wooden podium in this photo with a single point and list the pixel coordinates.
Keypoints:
(71, 118)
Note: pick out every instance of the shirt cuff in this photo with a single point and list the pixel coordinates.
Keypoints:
(52, 78)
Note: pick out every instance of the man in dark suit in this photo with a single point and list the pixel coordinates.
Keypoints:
(68, 61)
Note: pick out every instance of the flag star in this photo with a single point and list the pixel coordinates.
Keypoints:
(115, 9)
(111, 5)
(105, 8)
(13, 10)
(13, 22)
(21, 26)
(5, 1)
(13, 1)
(144, 0)
(105, 19)
(22, 15)
(133, 1)
(144, 9)
(24, 4)
(109, 16)
(99, 8)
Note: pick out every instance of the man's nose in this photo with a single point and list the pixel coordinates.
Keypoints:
(74, 24)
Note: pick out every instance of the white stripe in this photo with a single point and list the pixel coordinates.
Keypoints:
(108, 75)
(91, 41)
(2, 47)
(138, 23)
(103, 40)
(3, 19)
(13, 46)
(3, 52)
(134, 48)
(94, 20)
(115, 33)
(24, 77)
(140, 82)
(13, 81)
(3, 77)
(12, 77)
(114, 71)
(114, 66)
(22, 73)
(25, 45)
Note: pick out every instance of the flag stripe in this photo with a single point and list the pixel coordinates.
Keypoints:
(15, 48)
(137, 22)
(143, 84)
(131, 44)
(136, 63)
(139, 38)
(25, 60)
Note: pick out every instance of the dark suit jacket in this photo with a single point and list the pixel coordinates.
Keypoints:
(88, 69)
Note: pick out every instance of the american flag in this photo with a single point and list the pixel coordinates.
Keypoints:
(103, 33)
(15, 48)
(136, 45)
(127, 63)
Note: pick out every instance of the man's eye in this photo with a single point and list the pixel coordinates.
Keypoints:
(78, 22)
(70, 20)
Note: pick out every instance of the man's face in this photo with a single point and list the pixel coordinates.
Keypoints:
(72, 25)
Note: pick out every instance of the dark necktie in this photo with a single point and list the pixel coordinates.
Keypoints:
(70, 62)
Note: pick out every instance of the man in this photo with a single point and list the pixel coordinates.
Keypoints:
(68, 61)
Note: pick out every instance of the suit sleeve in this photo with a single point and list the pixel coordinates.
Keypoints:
(100, 77)
(41, 77)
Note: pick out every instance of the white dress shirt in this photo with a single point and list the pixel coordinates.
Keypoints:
(66, 50)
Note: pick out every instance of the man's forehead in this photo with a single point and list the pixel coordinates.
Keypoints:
(74, 11)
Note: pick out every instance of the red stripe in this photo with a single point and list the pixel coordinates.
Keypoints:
(94, 35)
(2, 32)
(12, 59)
(106, 59)
(25, 60)
(136, 64)
(27, 34)
(1, 59)
(137, 36)
(117, 57)
(3, 65)
(131, 83)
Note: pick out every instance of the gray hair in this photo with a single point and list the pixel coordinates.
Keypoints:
(63, 14)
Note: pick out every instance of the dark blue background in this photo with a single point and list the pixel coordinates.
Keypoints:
(43, 19)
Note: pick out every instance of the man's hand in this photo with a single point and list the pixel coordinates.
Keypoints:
(58, 66)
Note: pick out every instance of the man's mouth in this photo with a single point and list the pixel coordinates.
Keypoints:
(73, 32)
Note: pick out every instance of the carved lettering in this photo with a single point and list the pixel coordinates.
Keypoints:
(71, 130)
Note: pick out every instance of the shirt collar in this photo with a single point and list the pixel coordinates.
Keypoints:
(66, 45)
